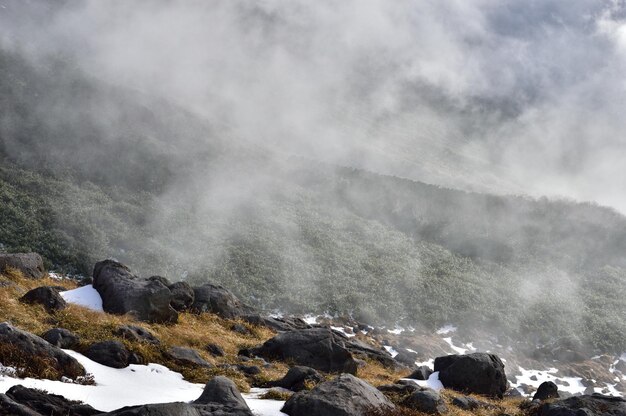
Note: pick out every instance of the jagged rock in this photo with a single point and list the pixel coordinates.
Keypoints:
(283, 324)
(426, 401)
(49, 404)
(188, 356)
(345, 395)
(297, 377)
(319, 348)
(221, 391)
(588, 405)
(110, 353)
(34, 346)
(546, 390)
(122, 293)
(136, 333)
(478, 373)
(47, 296)
(469, 403)
(218, 300)
(215, 350)
(421, 373)
(62, 338)
(30, 264)
(182, 296)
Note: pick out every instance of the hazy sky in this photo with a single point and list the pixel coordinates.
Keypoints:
(518, 96)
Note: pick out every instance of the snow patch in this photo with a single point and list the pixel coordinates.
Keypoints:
(85, 296)
(432, 382)
(391, 351)
(446, 329)
(574, 386)
(342, 330)
(458, 350)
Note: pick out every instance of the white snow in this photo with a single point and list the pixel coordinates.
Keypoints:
(263, 407)
(133, 385)
(575, 385)
(391, 351)
(446, 329)
(85, 296)
(310, 319)
(396, 331)
(342, 330)
(458, 350)
(432, 382)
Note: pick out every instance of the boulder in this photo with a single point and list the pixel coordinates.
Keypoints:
(469, 403)
(319, 348)
(587, 405)
(399, 388)
(283, 324)
(33, 346)
(137, 334)
(30, 264)
(49, 404)
(406, 357)
(218, 300)
(62, 338)
(362, 350)
(420, 373)
(478, 373)
(297, 378)
(546, 390)
(160, 409)
(10, 407)
(182, 296)
(345, 395)
(122, 293)
(110, 353)
(47, 296)
(425, 401)
(222, 390)
(188, 356)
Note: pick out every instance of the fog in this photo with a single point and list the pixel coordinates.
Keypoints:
(508, 96)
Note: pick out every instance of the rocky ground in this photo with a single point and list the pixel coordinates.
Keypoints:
(120, 344)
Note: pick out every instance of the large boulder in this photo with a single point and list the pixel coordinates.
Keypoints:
(345, 395)
(49, 404)
(319, 348)
(122, 293)
(422, 372)
(425, 401)
(546, 390)
(588, 405)
(478, 373)
(30, 264)
(182, 296)
(110, 353)
(222, 390)
(62, 338)
(297, 378)
(15, 341)
(47, 296)
(218, 300)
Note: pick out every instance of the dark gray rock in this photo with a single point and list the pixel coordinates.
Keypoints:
(297, 378)
(249, 370)
(345, 395)
(421, 373)
(399, 388)
(221, 393)
(160, 409)
(62, 338)
(137, 334)
(283, 324)
(469, 403)
(9, 407)
(426, 401)
(215, 350)
(319, 348)
(587, 405)
(110, 353)
(188, 356)
(49, 404)
(182, 296)
(47, 296)
(35, 346)
(478, 373)
(406, 357)
(122, 293)
(365, 351)
(218, 300)
(546, 390)
(30, 264)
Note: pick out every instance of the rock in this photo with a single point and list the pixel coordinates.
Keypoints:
(240, 329)
(110, 353)
(223, 392)
(34, 346)
(122, 293)
(10, 407)
(161, 409)
(469, 403)
(345, 395)
(360, 349)
(534, 378)
(30, 264)
(62, 338)
(182, 296)
(546, 390)
(218, 300)
(319, 348)
(188, 356)
(136, 333)
(283, 324)
(426, 401)
(421, 373)
(478, 373)
(297, 378)
(400, 389)
(215, 350)
(513, 393)
(47, 296)
(249, 370)
(588, 405)
(406, 357)
(49, 404)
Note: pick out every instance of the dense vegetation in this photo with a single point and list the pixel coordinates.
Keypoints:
(90, 171)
